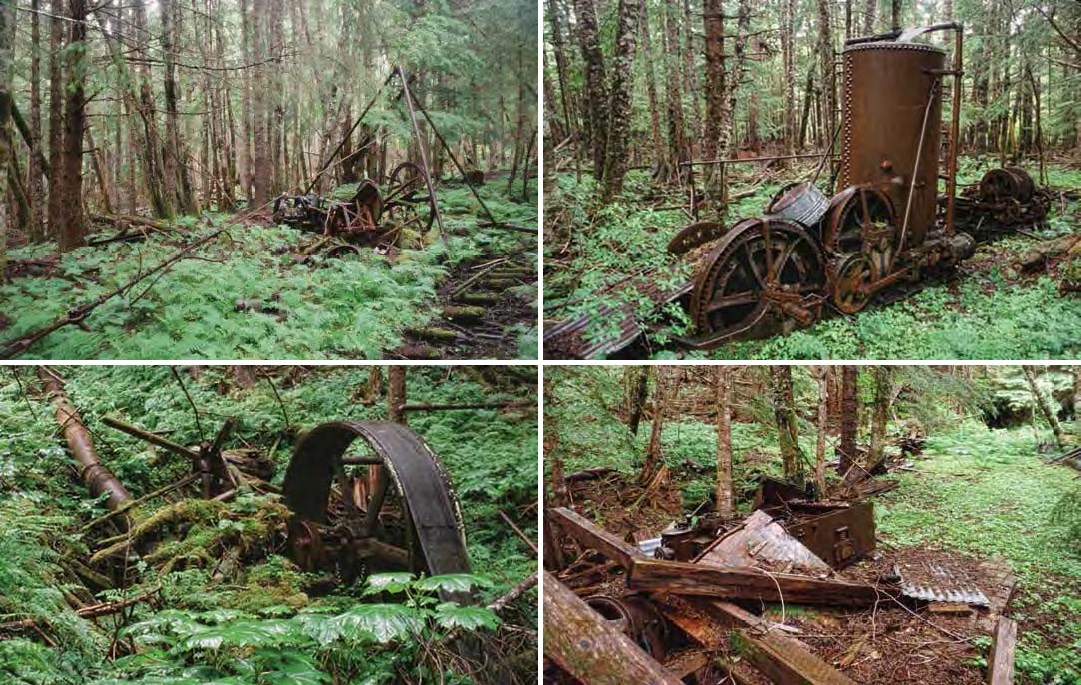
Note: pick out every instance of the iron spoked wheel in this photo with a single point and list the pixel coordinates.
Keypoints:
(855, 214)
(765, 276)
(1008, 183)
(387, 506)
(407, 202)
(853, 277)
(695, 235)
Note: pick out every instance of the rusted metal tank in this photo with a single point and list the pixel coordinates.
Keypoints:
(892, 93)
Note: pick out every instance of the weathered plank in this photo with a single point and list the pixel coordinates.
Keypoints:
(785, 660)
(1000, 662)
(589, 648)
(746, 583)
(589, 535)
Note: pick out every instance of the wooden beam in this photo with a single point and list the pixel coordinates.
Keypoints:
(589, 535)
(589, 648)
(785, 660)
(746, 583)
(1000, 662)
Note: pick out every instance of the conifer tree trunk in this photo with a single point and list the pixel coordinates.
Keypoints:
(37, 187)
(826, 78)
(7, 61)
(56, 117)
(676, 133)
(849, 418)
(263, 171)
(788, 57)
(619, 112)
(637, 392)
(247, 161)
(870, 13)
(821, 376)
(552, 456)
(1044, 405)
(150, 147)
(883, 399)
(723, 495)
(559, 49)
(726, 141)
(176, 172)
(596, 123)
(73, 221)
(661, 392)
(651, 91)
(784, 412)
(713, 24)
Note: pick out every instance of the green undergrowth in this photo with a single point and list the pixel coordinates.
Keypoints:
(356, 307)
(230, 607)
(991, 312)
(988, 493)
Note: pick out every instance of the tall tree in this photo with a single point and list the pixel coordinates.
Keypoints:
(637, 381)
(619, 112)
(56, 115)
(651, 90)
(713, 23)
(723, 495)
(177, 180)
(677, 141)
(788, 57)
(1044, 405)
(821, 376)
(825, 68)
(883, 377)
(7, 49)
(37, 186)
(263, 172)
(72, 232)
(663, 394)
(596, 124)
(727, 141)
(849, 418)
(784, 413)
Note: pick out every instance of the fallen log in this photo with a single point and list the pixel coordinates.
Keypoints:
(1000, 660)
(589, 648)
(747, 584)
(96, 475)
(591, 536)
(588, 474)
(1041, 253)
(95, 611)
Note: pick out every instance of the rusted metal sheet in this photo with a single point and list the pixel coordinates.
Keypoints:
(887, 88)
(800, 202)
(762, 543)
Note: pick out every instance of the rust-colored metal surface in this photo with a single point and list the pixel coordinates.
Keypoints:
(838, 537)
(887, 89)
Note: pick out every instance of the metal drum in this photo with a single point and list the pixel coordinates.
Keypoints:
(800, 202)
(886, 90)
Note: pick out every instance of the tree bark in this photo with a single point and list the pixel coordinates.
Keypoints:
(7, 62)
(56, 117)
(596, 123)
(1044, 405)
(151, 147)
(637, 392)
(883, 399)
(784, 413)
(677, 142)
(37, 187)
(726, 144)
(396, 394)
(651, 91)
(619, 113)
(176, 171)
(73, 229)
(713, 26)
(552, 455)
(661, 392)
(825, 56)
(725, 501)
(263, 172)
(821, 376)
(849, 418)
(788, 57)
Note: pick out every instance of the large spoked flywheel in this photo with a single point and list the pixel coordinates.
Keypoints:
(380, 503)
(766, 275)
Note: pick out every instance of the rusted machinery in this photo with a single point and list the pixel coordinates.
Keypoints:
(885, 227)
(387, 507)
(370, 216)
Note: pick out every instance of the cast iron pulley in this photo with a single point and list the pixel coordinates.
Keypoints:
(407, 202)
(765, 275)
(857, 216)
(851, 285)
(1008, 183)
(388, 507)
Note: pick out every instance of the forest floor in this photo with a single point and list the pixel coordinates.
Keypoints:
(989, 311)
(253, 294)
(257, 622)
(975, 499)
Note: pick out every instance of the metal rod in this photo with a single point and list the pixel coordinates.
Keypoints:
(955, 124)
(422, 145)
(152, 438)
(915, 169)
(736, 160)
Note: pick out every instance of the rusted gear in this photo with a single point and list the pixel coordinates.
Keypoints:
(392, 508)
(855, 214)
(765, 275)
(695, 235)
(407, 203)
(853, 275)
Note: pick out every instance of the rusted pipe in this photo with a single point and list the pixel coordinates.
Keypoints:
(100, 479)
(955, 123)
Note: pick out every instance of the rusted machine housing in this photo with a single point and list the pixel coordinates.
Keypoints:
(892, 97)
(883, 227)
